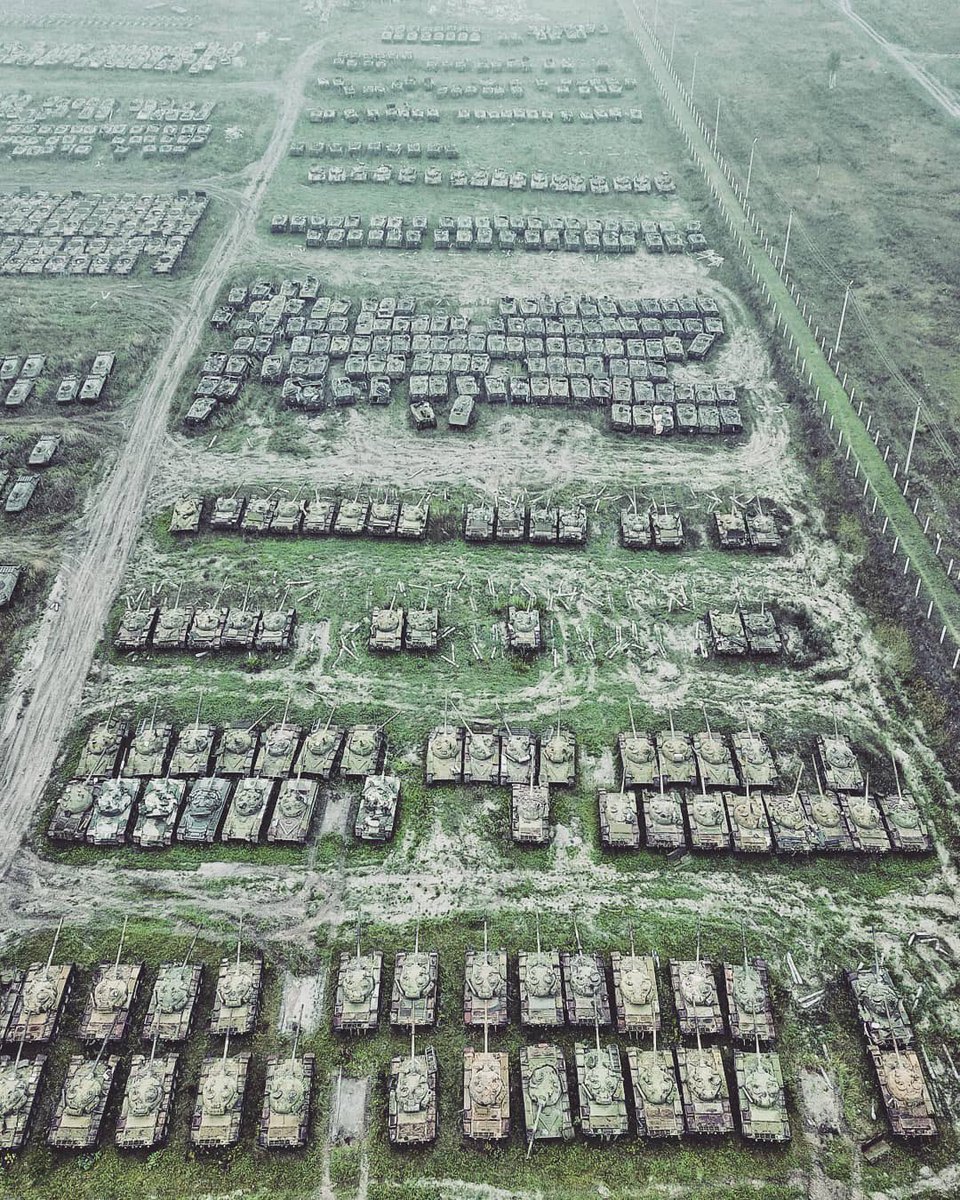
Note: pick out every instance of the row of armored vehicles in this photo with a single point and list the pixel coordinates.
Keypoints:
(204, 629)
(497, 179)
(201, 57)
(20, 376)
(743, 632)
(512, 522)
(283, 515)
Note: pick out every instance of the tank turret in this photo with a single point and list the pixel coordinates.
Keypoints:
(237, 750)
(377, 814)
(754, 760)
(293, 811)
(638, 758)
(486, 1095)
(524, 632)
(830, 824)
(386, 629)
(186, 515)
(676, 761)
(158, 812)
(415, 981)
(172, 1002)
(71, 817)
(206, 629)
(247, 810)
(320, 750)
(363, 752)
(356, 1004)
(881, 1010)
(714, 760)
(906, 827)
(485, 988)
(285, 1115)
(530, 814)
(172, 627)
(112, 994)
(422, 630)
(747, 985)
(191, 755)
(518, 757)
(656, 1094)
(481, 757)
(206, 801)
(541, 989)
(546, 1097)
(703, 1087)
(78, 1113)
(276, 629)
(412, 1101)
(112, 813)
(791, 826)
(864, 822)
(695, 995)
(748, 823)
(278, 750)
(761, 1096)
(104, 746)
(219, 1107)
(585, 988)
(135, 631)
(663, 820)
(351, 519)
(558, 758)
(19, 1088)
(619, 820)
(445, 755)
(841, 771)
(147, 1099)
(603, 1106)
(635, 997)
(709, 827)
(236, 1001)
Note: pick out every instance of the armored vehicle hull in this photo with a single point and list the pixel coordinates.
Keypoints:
(696, 997)
(518, 758)
(656, 1094)
(293, 812)
(363, 752)
(663, 820)
(112, 995)
(841, 771)
(714, 761)
(412, 1101)
(881, 1010)
(36, 1002)
(186, 515)
(237, 750)
(748, 1001)
(635, 531)
(377, 814)
(675, 756)
(748, 823)
(158, 813)
(619, 821)
(865, 823)
(19, 1089)
(793, 830)
(386, 629)
(241, 628)
(541, 989)
(172, 627)
(413, 521)
(755, 762)
(285, 1116)
(172, 1002)
(413, 1001)
(236, 1001)
(603, 1106)
(278, 750)
(906, 827)
(135, 631)
(586, 998)
(71, 817)
(423, 629)
(445, 755)
(276, 629)
(191, 756)
(481, 757)
(101, 754)
(76, 1120)
(216, 1117)
(485, 989)
(247, 810)
(524, 631)
(112, 814)
(203, 811)
(486, 1095)
(145, 1110)
(709, 826)
(703, 1087)
(635, 997)
(761, 1096)
(546, 1096)
(206, 629)
(829, 823)
(356, 1005)
(903, 1088)
(320, 751)
(558, 759)
(530, 814)
(638, 758)
(761, 632)
(351, 519)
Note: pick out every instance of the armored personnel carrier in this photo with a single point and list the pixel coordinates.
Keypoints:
(703, 1087)
(761, 1096)
(544, 525)
(558, 758)
(731, 530)
(413, 1001)
(191, 756)
(586, 998)
(479, 523)
(147, 1100)
(386, 629)
(904, 1091)
(714, 760)
(19, 1088)
(71, 817)
(105, 744)
(667, 529)
(413, 520)
(864, 821)
(906, 827)
(112, 995)
(278, 750)
(237, 750)
(485, 988)
(227, 512)
(113, 803)
(422, 630)
(241, 628)
(638, 758)
(135, 631)
(761, 632)
(709, 826)
(603, 1105)
(663, 820)
(276, 629)
(792, 829)
(882, 1013)
(764, 534)
(216, 1117)
(619, 822)
(524, 633)
(377, 814)
(830, 824)
(481, 757)
(635, 530)
(148, 750)
(293, 812)
(202, 814)
(748, 823)
(635, 998)
(511, 522)
(285, 1116)
(363, 752)
(530, 814)
(754, 759)
(412, 1101)
(518, 757)
(247, 810)
(172, 1002)
(841, 772)
(78, 1114)
(172, 627)
(445, 755)
(695, 995)
(677, 764)
(320, 750)
(747, 986)
(486, 1095)
(546, 1097)
(351, 519)
(656, 1096)
(572, 529)
(186, 515)
(356, 1005)
(727, 633)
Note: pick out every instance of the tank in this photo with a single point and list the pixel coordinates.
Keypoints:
(486, 1095)
(696, 997)
(906, 827)
(481, 757)
(320, 751)
(157, 813)
(761, 1096)
(656, 1096)
(377, 814)
(285, 1116)
(829, 822)
(663, 820)
(423, 629)
(203, 811)
(677, 764)
(147, 1099)
(523, 629)
(172, 1002)
(541, 991)
(839, 766)
(191, 755)
(412, 1103)
(237, 750)
(318, 517)
(241, 628)
(412, 523)
(518, 757)
(864, 822)
(170, 631)
(247, 810)
(276, 629)
(530, 814)
(19, 1089)
(619, 822)
(101, 754)
(351, 519)
(635, 531)
(667, 529)
(727, 633)
(445, 755)
(904, 1091)
(750, 1010)
(638, 758)
(511, 522)
(71, 817)
(748, 823)
(148, 750)
(485, 989)
(754, 759)
(287, 519)
(278, 750)
(384, 515)
(703, 1088)
(544, 525)
(572, 530)
(386, 629)
(258, 514)
(227, 512)
(586, 998)
(764, 534)
(113, 993)
(206, 631)
(479, 523)
(882, 1013)
(761, 632)
(236, 1000)
(793, 830)
(219, 1107)
(363, 752)
(77, 1116)
(603, 1105)
(135, 631)
(714, 760)
(38, 1003)
(635, 998)
(558, 758)
(186, 515)
(293, 812)
(113, 803)
(414, 997)
(731, 530)
(356, 1005)
(709, 827)
(546, 1096)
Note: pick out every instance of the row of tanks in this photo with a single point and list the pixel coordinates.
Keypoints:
(512, 522)
(202, 629)
(656, 528)
(393, 629)
(319, 517)
(481, 754)
(741, 632)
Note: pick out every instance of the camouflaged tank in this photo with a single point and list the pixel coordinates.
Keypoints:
(586, 998)
(677, 764)
(761, 1096)
(285, 1115)
(619, 821)
(546, 1096)
(761, 632)
(747, 985)
(524, 632)
(481, 757)
(486, 1095)
(386, 629)
(754, 759)
(906, 1098)
(172, 1002)
(638, 758)
(293, 812)
(572, 528)
(731, 530)
(709, 826)
(413, 520)
(227, 512)
(258, 514)
(667, 529)
(113, 803)
(104, 746)
(748, 823)
(422, 630)
(187, 514)
(485, 989)
(635, 530)
(247, 810)
(363, 752)
(78, 1114)
(479, 523)
(829, 822)
(412, 1100)
(19, 1089)
(191, 756)
(135, 631)
(71, 816)
(558, 758)
(518, 757)
(157, 813)
(278, 749)
(793, 830)
(320, 750)
(865, 823)
(219, 1106)
(113, 992)
(148, 750)
(603, 1105)
(635, 998)
(906, 827)
(356, 1005)
(663, 820)
(147, 1099)
(764, 534)
(880, 1008)
(727, 635)
(413, 1001)
(383, 519)
(351, 519)
(541, 989)
(276, 629)
(318, 517)
(714, 760)
(206, 629)
(203, 810)
(529, 814)
(544, 525)
(37, 1001)
(377, 814)
(236, 1000)
(445, 755)
(656, 1095)
(703, 1088)
(841, 772)
(696, 998)
(237, 750)
(172, 627)
(241, 628)
(287, 518)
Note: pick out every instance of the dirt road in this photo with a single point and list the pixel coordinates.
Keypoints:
(48, 684)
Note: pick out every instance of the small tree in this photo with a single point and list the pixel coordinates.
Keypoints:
(833, 66)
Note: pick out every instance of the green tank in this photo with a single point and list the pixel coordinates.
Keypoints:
(638, 759)
(544, 525)
(703, 1086)
(78, 1114)
(748, 823)
(747, 985)
(320, 750)
(518, 757)
(603, 1105)
(37, 1002)
(530, 814)
(147, 1099)
(731, 530)
(293, 812)
(546, 1097)
(635, 531)
(287, 518)
(206, 629)
(762, 634)
(696, 998)
(386, 629)
(258, 514)
(187, 514)
(236, 1001)
(727, 633)
(841, 772)
(415, 980)
(172, 627)
(864, 822)
(882, 1013)
(635, 998)
(904, 1091)
(511, 522)
(572, 528)
(247, 810)
(761, 1096)
(793, 830)
(764, 534)
(486, 1095)
(663, 820)
(412, 1101)
(351, 519)
(276, 629)
(906, 827)
(135, 631)
(113, 804)
(667, 529)
(158, 813)
(541, 990)
(479, 523)
(203, 810)
(219, 1107)
(238, 748)
(656, 1096)
(754, 759)
(356, 1005)
(240, 629)
(558, 758)
(413, 520)
(481, 757)
(423, 629)
(586, 998)
(318, 517)
(278, 750)
(714, 760)
(485, 989)
(377, 814)
(384, 516)
(172, 1002)
(71, 817)
(285, 1115)
(191, 755)
(677, 764)
(709, 827)
(619, 821)
(227, 512)
(363, 752)
(104, 746)
(148, 750)
(19, 1089)
(445, 755)
(524, 631)
(113, 993)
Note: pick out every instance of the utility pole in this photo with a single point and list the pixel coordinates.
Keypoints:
(843, 314)
(753, 150)
(786, 244)
(913, 438)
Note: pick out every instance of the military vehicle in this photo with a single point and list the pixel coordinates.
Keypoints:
(485, 987)
(663, 820)
(479, 523)
(714, 760)
(247, 810)
(600, 1085)
(147, 1100)
(667, 529)
(635, 530)
(635, 998)
(524, 633)
(113, 802)
(881, 1010)
(841, 772)
(172, 627)
(237, 750)
(216, 1116)
(320, 750)
(422, 630)
(318, 517)
(481, 757)
(356, 1005)
(748, 823)
(530, 814)
(747, 986)
(445, 755)
(903, 1088)
(186, 515)
(558, 758)
(586, 998)
(112, 995)
(793, 830)
(287, 517)
(241, 628)
(10, 575)
(906, 827)
(293, 812)
(105, 744)
(413, 1001)
(173, 1001)
(227, 512)
(638, 758)
(518, 757)
(351, 519)
(258, 514)
(363, 752)
(19, 1089)
(386, 629)
(676, 761)
(707, 817)
(37, 998)
(412, 1101)
(754, 759)
(727, 633)
(544, 525)
(546, 1098)
(703, 1087)
(276, 629)
(201, 816)
(656, 1096)
(148, 750)
(830, 824)
(761, 632)
(191, 756)
(135, 631)
(413, 520)
(377, 814)
(696, 997)
(864, 821)
(285, 1116)
(764, 534)
(236, 999)
(572, 530)
(206, 629)
(77, 1116)
(619, 822)
(731, 530)
(511, 522)
(278, 750)
(71, 816)
(486, 1095)
(761, 1096)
